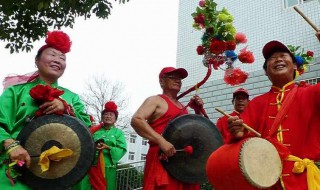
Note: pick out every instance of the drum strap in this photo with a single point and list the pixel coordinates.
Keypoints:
(283, 111)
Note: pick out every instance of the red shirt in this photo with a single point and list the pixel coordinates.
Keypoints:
(222, 125)
(155, 176)
(299, 130)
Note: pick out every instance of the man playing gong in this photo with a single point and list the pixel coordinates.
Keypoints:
(150, 120)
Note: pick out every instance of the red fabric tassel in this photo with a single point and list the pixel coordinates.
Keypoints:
(97, 174)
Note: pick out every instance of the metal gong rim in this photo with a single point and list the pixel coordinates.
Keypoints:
(198, 132)
(63, 131)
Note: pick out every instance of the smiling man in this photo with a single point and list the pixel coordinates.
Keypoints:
(287, 116)
(151, 119)
(240, 100)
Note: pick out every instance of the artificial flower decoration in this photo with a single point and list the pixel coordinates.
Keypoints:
(220, 40)
(302, 58)
(111, 106)
(45, 93)
(57, 40)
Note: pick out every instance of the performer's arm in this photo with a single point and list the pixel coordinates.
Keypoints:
(8, 145)
(149, 110)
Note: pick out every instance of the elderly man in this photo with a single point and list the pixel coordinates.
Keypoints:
(288, 116)
(151, 119)
(240, 100)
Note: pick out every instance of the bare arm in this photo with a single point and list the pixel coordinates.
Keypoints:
(318, 35)
(151, 109)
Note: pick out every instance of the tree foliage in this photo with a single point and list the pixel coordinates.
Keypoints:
(98, 91)
(24, 21)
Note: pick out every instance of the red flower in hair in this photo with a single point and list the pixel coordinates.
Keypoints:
(58, 40)
(246, 56)
(235, 76)
(111, 106)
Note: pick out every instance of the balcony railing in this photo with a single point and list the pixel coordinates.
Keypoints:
(130, 176)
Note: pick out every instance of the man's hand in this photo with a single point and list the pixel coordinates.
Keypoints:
(235, 126)
(197, 100)
(167, 148)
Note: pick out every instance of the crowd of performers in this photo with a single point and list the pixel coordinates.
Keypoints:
(288, 117)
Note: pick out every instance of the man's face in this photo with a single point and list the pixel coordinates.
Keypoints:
(240, 102)
(280, 67)
(172, 81)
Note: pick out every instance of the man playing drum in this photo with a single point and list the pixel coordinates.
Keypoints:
(151, 119)
(287, 116)
(240, 99)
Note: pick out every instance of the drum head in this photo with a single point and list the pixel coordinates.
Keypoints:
(62, 131)
(260, 162)
(204, 137)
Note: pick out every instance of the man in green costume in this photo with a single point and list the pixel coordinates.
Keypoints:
(17, 106)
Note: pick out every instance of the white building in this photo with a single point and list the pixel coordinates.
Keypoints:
(137, 147)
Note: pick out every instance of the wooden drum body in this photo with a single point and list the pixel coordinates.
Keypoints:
(251, 163)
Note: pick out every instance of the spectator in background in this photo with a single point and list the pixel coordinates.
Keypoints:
(240, 100)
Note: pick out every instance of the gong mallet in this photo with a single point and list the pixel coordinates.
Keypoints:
(306, 18)
(243, 124)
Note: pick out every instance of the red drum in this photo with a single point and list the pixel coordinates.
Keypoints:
(251, 163)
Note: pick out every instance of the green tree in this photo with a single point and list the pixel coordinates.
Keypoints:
(24, 21)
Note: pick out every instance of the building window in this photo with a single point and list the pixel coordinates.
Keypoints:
(144, 141)
(133, 138)
(143, 156)
(131, 155)
(290, 3)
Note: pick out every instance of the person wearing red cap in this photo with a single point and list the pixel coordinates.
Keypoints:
(240, 100)
(28, 96)
(287, 116)
(111, 146)
(150, 120)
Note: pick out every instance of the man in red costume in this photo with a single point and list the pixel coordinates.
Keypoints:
(240, 100)
(289, 117)
(151, 119)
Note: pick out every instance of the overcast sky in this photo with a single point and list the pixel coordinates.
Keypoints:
(131, 47)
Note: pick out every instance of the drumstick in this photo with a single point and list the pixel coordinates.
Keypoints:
(243, 124)
(306, 18)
